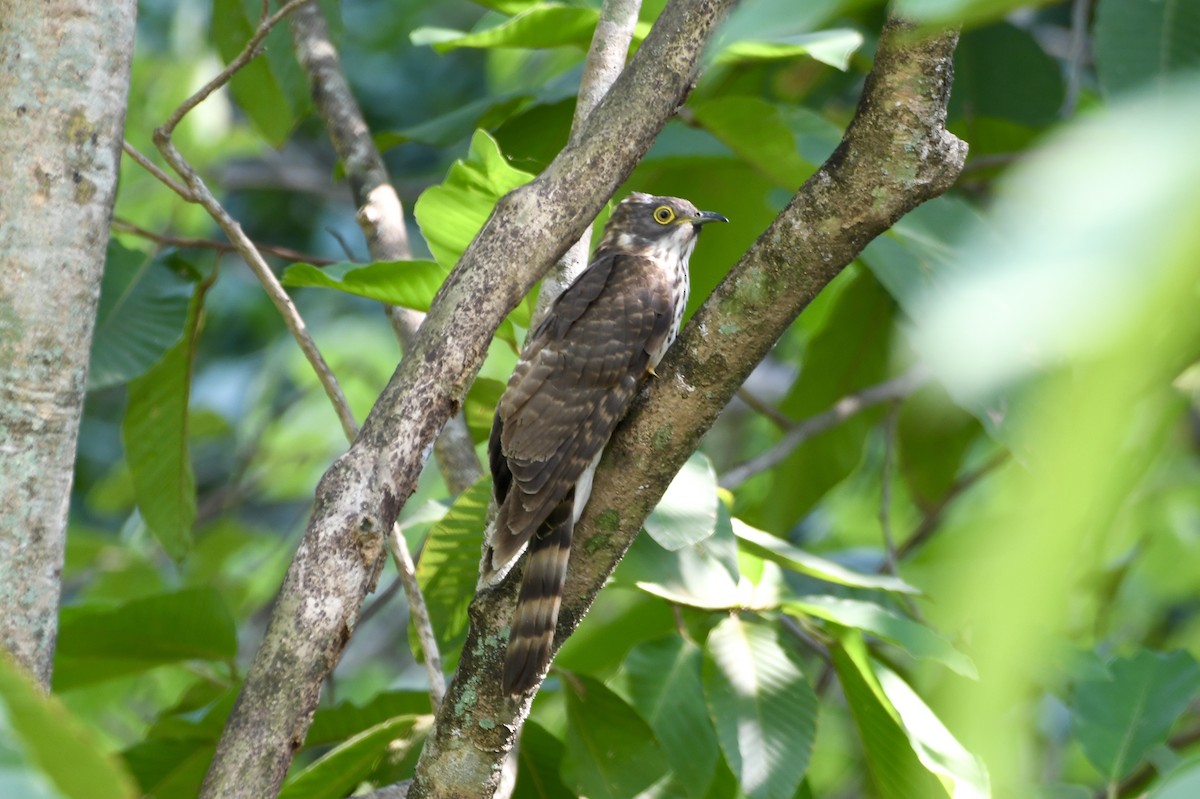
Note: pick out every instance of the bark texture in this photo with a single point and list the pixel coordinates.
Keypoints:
(358, 499)
(895, 155)
(64, 77)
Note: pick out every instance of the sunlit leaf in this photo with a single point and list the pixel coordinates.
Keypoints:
(336, 773)
(142, 313)
(1119, 720)
(661, 678)
(97, 643)
(895, 770)
(832, 47)
(687, 513)
(540, 25)
(1182, 783)
(914, 637)
(408, 284)
(44, 748)
(757, 132)
(1138, 43)
(610, 752)
(703, 575)
(763, 708)
(796, 559)
(347, 719)
(449, 568)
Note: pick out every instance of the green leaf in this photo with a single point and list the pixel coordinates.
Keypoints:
(1118, 721)
(934, 436)
(97, 643)
(539, 26)
(832, 47)
(155, 435)
(661, 679)
(1137, 43)
(452, 213)
(610, 752)
(758, 133)
(790, 557)
(43, 745)
(142, 313)
(847, 354)
(763, 708)
(443, 131)
(539, 762)
(337, 773)
(264, 89)
(913, 637)
(687, 513)
(895, 770)
(703, 575)
(347, 719)
(449, 568)
(1182, 783)
(170, 767)
(936, 747)
(480, 406)
(1001, 71)
(408, 284)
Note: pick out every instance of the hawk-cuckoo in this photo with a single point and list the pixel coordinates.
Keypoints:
(574, 381)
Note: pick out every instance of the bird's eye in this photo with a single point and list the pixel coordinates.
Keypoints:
(663, 215)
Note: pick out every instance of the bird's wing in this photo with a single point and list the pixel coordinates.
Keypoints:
(574, 382)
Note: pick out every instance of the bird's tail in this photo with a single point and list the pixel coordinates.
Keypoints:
(536, 614)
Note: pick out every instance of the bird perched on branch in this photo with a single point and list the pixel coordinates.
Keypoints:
(575, 379)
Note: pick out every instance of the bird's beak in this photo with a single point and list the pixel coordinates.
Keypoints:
(702, 217)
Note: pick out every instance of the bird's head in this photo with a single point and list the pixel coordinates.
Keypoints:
(644, 223)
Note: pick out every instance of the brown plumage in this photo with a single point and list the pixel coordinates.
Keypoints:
(574, 381)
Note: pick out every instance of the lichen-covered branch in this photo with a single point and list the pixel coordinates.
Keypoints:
(358, 499)
(895, 155)
(62, 119)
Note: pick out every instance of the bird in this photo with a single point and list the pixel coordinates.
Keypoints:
(574, 380)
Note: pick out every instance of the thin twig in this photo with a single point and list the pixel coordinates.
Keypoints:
(201, 194)
(933, 517)
(885, 485)
(419, 614)
(154, 169)
(761, 406)
(842, 410)
(126, 226)
(1076, 55)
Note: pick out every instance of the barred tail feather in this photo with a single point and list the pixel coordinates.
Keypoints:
(536, 614)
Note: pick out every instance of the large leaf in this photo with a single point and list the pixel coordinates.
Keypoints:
(779, 551)
(610, 752)
(97, 643)
(1119, 720)
(1182, 783)
(538, 764)
(155, 435)
(936, 747)
(170, 766)
(449, 568)
(687, 513)
(661, 679)
(1138, 43)
(764, 710)
(142, 313)
(339, 771)
(848, 353)
(266, 88)
(46, 752)
(347, 719)
(408, 284)
(1001, 71)
(757, 132)
(911, 636)
(832, 47)
(895, 770)
(703, 575)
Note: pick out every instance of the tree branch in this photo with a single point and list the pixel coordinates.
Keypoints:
(125, 226)
(895, 155)
(360, 496)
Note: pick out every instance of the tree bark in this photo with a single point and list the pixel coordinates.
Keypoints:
(65, 68)
(895, 155)
(360, 496)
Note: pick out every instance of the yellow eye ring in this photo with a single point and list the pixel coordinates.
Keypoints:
(663, 215)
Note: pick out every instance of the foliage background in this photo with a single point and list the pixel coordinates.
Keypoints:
(1035, 467)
